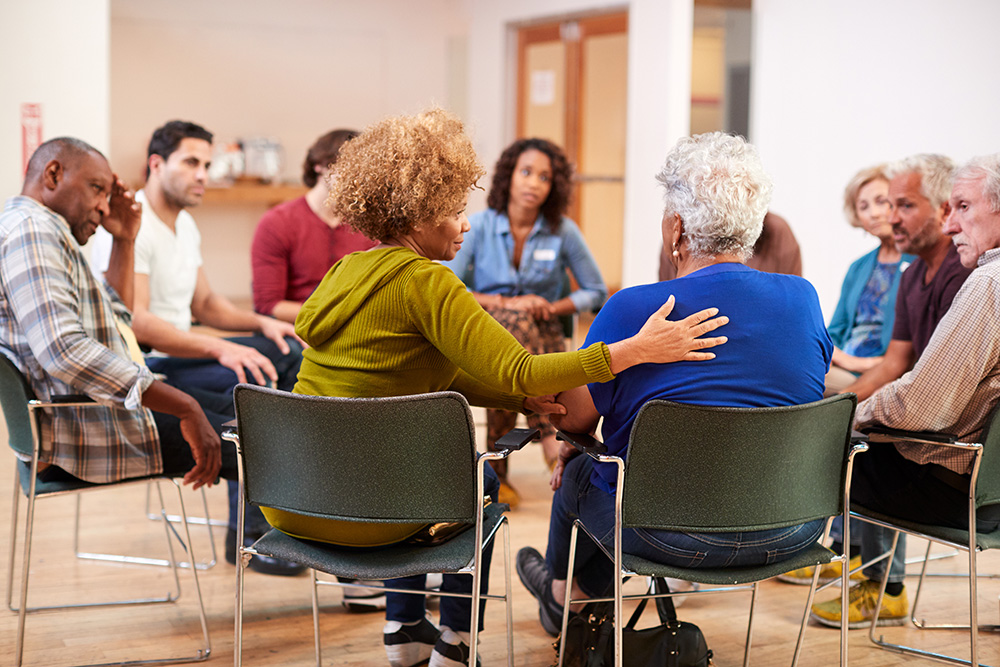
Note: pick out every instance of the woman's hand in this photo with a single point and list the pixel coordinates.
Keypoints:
(661, 341)
(537, 306)
(544, 405)
(854, 364)
(566, 452)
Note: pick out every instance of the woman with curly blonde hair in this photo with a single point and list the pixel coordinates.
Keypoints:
(392, 321)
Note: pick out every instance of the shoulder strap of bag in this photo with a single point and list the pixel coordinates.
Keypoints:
(664, 606)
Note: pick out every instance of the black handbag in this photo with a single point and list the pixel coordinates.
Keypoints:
(590, 638)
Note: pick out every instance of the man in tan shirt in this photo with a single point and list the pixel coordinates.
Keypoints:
(954, 388)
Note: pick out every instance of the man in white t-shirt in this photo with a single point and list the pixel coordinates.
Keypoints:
(171, 289)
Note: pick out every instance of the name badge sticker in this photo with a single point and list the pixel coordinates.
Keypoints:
(544, 254)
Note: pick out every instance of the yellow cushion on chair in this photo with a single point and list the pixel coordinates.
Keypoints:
(340, 533)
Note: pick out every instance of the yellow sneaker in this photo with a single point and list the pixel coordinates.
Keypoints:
(861, 607)
(804, 575)
(508, 495)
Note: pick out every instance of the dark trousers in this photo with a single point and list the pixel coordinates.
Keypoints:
(456, 613)
(212, 385)
(888, 483)
(210, 375)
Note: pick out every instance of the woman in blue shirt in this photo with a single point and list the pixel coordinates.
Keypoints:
(861, 326)
(778, 350)
(514, 260)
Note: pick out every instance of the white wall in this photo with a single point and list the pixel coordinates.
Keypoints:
(56, 54)
(291, 70)
(658, 99)
(843, 84)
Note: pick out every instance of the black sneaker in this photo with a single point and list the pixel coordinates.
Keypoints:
(408, 645)
(535, 576)
(451, 655)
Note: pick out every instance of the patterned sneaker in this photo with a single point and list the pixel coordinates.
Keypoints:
(535, 576)
(451, 650)
(827, 573)
(409, 645)
(861, 607)
(363, 600)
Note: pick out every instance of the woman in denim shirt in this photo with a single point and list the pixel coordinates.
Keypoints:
(514, 261)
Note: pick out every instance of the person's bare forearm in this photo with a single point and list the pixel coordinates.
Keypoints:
(219, 312)
(120, 274)
(161, 397)
(897, 360)
(160, 335)
(286, 311)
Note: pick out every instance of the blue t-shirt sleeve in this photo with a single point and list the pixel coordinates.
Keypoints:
(613, 323)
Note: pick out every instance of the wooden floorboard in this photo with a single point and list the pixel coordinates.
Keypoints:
(278, 622)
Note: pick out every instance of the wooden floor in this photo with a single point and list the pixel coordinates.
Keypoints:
(278, 626)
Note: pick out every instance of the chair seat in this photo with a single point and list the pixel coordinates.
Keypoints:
(398, 560)
(63, 486)
(815, 555)
(954, 536)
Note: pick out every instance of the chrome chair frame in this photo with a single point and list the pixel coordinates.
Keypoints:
(205, 520)
(510, 442)
(972, 547)
(597, 451)
(22, 609)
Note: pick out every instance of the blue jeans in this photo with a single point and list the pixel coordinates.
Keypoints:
(456, 613)
(210, 375)
(579, 498)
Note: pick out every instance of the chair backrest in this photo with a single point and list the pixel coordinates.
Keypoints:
(14, 396)
(400, 459)
(988, 483)
(717, 469)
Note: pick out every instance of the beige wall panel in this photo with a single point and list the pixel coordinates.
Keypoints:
(708, 63)
(292, 71)
(545, 78)
(602, 204)
(605, 77)
(602, 150)
(706, 118)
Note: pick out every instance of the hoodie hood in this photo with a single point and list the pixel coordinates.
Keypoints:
(345, 288)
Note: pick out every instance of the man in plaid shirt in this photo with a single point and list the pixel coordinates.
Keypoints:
(953, 389)
(66, 331)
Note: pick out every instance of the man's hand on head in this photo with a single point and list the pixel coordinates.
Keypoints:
(124, 212)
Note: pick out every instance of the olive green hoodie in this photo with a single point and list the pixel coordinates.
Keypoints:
(388, 322)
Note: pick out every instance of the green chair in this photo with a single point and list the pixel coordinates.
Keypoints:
(717, 469)
(984, 490)
(20, 408)
(403, 459)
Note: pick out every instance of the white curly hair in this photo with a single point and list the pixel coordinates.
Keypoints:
(717, 185)
(987, 166)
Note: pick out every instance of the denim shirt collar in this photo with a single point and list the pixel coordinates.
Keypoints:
(503, 225)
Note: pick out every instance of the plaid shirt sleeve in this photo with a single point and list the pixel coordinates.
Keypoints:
(39, 279)
(956, 381)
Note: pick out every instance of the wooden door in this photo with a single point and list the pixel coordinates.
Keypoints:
(572, 84)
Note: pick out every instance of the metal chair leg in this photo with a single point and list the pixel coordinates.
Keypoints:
(753, 606)
(160, 515)
(506, 593)
(315, 610)
(22, 609)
